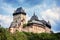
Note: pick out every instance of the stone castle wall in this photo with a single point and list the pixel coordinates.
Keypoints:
(33, 28)
(36, 29)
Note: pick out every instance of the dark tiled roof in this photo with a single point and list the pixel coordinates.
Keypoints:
(34, 19)
(46, 23)
(19, 11)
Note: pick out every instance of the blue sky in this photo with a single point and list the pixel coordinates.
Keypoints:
(44, 9)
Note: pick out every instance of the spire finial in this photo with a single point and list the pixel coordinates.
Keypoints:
(34, 17)
(48, 21)
(34, 13)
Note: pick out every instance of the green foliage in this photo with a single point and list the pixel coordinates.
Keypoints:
(20, 36)
(24, 25)
(6, 35)
(2, 33)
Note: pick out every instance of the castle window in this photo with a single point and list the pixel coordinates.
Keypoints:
(16, 21)
(19, 24)
(22, 20)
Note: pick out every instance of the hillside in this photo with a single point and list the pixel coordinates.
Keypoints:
(6, 35)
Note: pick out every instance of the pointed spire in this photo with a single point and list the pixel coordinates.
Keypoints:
(48, 22)
(34, 17)
(34, 14)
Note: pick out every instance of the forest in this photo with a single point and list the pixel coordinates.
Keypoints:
(6, 35)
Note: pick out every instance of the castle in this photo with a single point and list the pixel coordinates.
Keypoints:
(33, 25)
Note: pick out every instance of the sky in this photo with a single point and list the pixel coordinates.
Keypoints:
(48, 10)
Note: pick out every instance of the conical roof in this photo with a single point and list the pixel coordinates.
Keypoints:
(34, 20)
(34, 17)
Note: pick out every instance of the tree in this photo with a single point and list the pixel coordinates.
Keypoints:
(2, 33)
(6, 35)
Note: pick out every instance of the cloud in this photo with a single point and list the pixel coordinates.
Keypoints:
(53, 15)
(6, 11)
(36, 9)
(27, 18)
(7, 8)
(5, 20)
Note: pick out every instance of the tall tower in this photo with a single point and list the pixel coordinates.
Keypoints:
(19, 18)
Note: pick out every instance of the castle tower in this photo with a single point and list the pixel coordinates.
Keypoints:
(19, 18)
